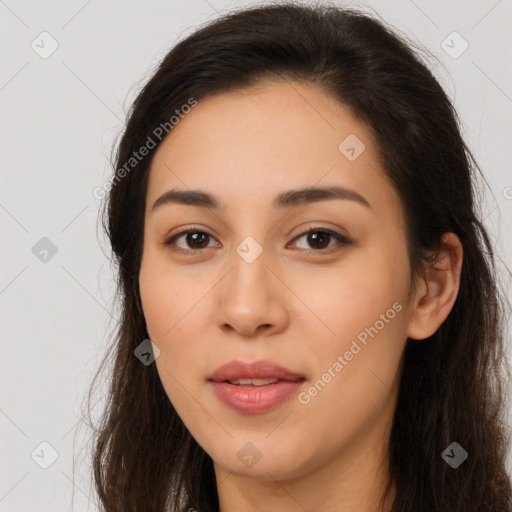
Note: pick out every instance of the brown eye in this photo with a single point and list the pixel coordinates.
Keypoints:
(193, 240)
(319, 239)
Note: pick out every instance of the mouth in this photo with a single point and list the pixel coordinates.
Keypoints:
(257, 373)
(252, 388)
(255, 399)
(254, 383)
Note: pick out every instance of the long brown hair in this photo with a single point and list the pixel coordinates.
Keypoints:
(452, 384)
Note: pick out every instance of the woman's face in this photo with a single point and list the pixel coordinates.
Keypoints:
(248, 284)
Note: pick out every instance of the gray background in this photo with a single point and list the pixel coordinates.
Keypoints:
(59, 118)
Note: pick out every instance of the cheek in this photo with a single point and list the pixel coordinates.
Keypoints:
(171, 317)
(175, 309)
(353, 294)
(366, 328)
(356, 368)
(166, 295)
(363, 305)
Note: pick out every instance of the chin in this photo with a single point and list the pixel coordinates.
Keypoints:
(261, 460)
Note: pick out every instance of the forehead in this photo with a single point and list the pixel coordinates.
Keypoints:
(270, 137)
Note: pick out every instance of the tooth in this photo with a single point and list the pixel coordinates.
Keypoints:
(254, 382)
(243, 382)
(263, 382)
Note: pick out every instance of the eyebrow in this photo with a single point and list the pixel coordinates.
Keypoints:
(289, 198)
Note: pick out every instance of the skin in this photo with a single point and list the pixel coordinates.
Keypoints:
(299, 308)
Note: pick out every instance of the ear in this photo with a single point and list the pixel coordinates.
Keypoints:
(437, 289)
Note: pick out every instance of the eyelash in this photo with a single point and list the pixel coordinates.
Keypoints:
(343, 240)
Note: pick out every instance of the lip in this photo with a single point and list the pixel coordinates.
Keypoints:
(254, 399)
(254, 370)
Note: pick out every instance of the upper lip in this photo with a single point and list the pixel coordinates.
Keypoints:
(255, 370)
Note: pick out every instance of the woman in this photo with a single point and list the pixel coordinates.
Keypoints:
(294, 220)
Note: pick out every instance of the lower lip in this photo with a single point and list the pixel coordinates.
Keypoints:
(255, 399)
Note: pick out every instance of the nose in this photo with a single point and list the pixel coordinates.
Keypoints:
(252, 300)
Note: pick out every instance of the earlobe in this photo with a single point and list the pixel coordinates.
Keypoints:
(438, 290)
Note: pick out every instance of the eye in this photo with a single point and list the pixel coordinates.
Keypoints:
(195, 239)
(319, 239)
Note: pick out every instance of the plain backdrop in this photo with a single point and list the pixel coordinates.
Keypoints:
(60, 114)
